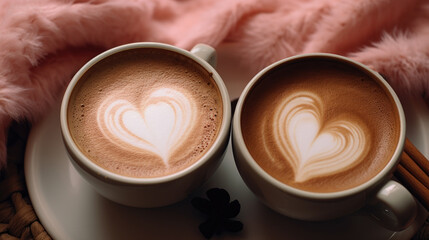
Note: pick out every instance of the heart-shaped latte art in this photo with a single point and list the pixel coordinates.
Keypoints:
(315, 148)
(163, 119)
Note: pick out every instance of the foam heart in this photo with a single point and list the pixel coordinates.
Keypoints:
(312, 147)
(157, 125)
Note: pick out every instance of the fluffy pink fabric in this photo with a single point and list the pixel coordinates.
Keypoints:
(43, 42)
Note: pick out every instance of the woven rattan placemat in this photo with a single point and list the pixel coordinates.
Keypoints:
(17, 217)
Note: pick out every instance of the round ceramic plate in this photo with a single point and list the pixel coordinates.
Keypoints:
(69, 208)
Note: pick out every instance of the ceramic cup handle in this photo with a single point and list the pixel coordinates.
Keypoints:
(206, 52)
(393, 206)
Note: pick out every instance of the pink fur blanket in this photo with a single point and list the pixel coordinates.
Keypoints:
(44, 42)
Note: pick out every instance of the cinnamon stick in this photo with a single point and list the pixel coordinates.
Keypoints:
(413, 185)
(417, 156)
(412, 167)
(413, 173)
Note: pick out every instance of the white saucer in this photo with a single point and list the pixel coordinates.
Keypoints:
(70, 209)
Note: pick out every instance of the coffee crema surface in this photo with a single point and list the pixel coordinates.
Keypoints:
(320, 125)
(145, 113)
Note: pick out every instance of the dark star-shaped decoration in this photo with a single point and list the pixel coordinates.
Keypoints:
(219, 210)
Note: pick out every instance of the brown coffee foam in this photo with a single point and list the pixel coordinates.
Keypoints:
(140, 72)
(343, 90)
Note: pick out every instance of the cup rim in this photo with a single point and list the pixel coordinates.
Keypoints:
(107, 176)
(377, 179)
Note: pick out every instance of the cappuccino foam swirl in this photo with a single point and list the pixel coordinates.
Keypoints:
(327, 114)
(313, 146)
(157, 125)
(145, 113)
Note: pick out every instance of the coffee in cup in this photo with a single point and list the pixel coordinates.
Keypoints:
(147, 123)
(145, 113)
(318, 136)
(320, 125)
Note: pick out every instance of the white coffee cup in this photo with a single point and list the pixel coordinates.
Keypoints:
(387, 201)
(156, 191)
